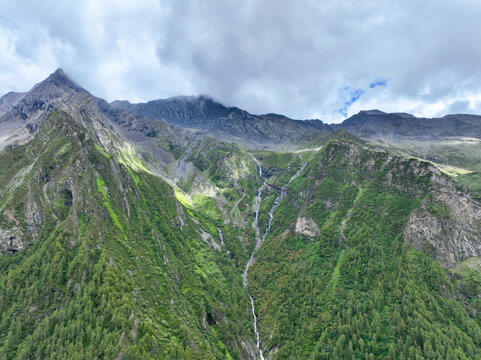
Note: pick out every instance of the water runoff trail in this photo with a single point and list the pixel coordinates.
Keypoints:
(260, 240)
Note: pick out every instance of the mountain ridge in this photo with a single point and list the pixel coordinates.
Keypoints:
(123, 236)
(227, 123)
(204, 113)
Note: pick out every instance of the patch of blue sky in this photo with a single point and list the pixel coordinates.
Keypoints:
(353, 95)
(378, 83)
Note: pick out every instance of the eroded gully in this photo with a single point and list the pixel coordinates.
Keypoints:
(260, 240)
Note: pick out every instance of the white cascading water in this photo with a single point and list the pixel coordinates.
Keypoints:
(256, 330)
(257, 206)
(260, 241)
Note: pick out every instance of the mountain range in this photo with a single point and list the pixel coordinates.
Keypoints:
(185, 229)
(275, 131)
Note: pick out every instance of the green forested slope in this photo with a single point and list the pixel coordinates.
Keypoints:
(459, 157)
(335, 280)
(116, 267)
(103, 259)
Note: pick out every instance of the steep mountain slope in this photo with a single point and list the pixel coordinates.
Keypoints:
(123, 236)
(59, 91)
(458, 157)
(451, 141)
(173, 153)
(338, 275)
(106, 262)
(220, 179)
(215, 174)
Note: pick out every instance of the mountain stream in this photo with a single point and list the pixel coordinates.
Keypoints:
(260, 240)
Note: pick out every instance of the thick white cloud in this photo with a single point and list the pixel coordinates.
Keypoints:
(302, 58)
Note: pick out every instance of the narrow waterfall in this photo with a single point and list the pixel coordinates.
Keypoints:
(260, 240)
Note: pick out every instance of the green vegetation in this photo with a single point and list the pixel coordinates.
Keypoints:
(358, 291)
(337, 272)
(111, 270)
(439, 210)
(116, 263)
(459, 158)
(102, 151)
(113, 215)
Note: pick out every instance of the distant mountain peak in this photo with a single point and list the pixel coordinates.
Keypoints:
(372, 112)
(59, 72)
(60, 79)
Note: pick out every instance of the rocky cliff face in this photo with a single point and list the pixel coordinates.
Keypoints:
(24, 113)
(27, 112)
(11, 240)
(447, 224)
(58, 90)
(350, 228)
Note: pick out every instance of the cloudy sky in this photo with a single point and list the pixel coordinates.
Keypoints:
(302, 58)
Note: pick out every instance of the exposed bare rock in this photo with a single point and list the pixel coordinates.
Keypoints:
(9, 100)
(34, 217)
(249, 350)
(180, 215)
(229, 124)
(448, 224)
(11, 240)
(307, 226)
(204, 323)
(207, 238)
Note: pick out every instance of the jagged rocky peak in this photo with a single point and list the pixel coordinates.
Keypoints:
(376, 124)
(180, 110)
(185, 100)
(59, 79)
(56, 91)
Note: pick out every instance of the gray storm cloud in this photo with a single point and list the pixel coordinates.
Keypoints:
(304, 59)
